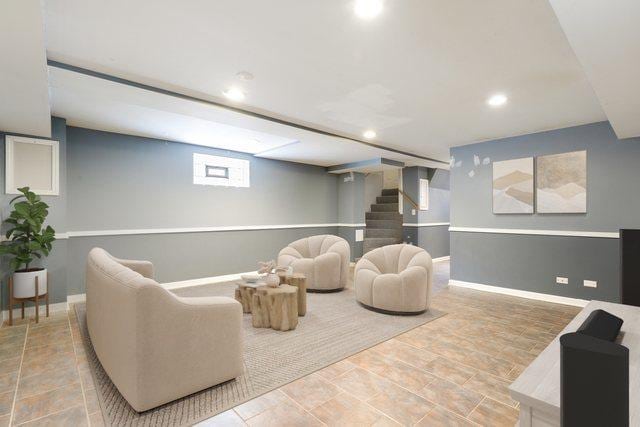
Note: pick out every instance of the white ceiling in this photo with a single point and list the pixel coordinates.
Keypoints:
(24, 96)
(419, 74)
(605, 36)
(95, 103)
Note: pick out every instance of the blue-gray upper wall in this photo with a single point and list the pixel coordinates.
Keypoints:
(613, 180)
(119, 181)
(532, 262)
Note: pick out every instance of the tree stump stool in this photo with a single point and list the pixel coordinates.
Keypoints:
(299, 280)
(276, 308)
(244, 295)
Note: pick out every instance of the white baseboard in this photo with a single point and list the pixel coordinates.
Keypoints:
(519, 293)
(442, 258)
(204, 281)
(73, 299)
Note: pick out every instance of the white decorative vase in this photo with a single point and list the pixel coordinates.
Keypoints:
(272, 280)
(24, 282)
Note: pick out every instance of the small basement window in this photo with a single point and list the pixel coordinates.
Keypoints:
(220, 171)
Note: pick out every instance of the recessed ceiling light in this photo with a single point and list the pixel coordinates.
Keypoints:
(244, 75)
(370, 134)
(497, 100)
(368, 9)
(234, 94)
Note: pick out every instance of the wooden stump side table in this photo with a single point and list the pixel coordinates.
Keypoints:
(276, 308)
(36, 299)
(244, 295)
(298, 280)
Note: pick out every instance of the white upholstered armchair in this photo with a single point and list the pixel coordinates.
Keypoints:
(155, 346)
(395, 278)
(323, 259)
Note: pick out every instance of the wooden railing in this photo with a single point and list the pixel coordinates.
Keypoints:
(415, 205)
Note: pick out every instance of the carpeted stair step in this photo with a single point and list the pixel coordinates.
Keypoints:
(390, 192)
(384, 215)
(377, 242)
(383, 223)
(385, 207)
(383, 232)
(387, 199)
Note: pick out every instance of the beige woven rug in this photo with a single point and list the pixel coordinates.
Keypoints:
(334, 328)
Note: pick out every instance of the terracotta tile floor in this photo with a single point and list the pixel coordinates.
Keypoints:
(453, 371)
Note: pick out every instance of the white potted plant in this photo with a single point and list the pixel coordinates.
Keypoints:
(28, 239)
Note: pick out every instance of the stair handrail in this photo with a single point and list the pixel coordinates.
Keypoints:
(415, 205)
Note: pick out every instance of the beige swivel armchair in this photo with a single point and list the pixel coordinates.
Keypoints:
(155, 346)
(395, 278)
(323, 259)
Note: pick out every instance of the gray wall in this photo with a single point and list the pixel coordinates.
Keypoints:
(119, 181)
(433, 239)
(57, 261)
(351, 209)
(184, 256)
(372, 189)
(533, 262)
(111, 181)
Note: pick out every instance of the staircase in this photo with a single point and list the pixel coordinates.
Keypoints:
(384, 222)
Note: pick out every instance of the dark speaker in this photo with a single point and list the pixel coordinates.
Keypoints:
(630, 267)
(594, 382)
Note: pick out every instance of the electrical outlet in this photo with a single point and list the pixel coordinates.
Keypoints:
(413, 212)
(359, 235)
(562, 280)
(590, 283)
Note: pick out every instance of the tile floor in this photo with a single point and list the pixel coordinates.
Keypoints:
(453, 371)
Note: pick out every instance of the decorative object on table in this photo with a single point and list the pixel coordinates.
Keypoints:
(594, 374)
(268, 268)
(28, 239)
(561, 183)
(251, 278)
(275, 308)
(513, 186)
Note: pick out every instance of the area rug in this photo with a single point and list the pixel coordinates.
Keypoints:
(335, 327)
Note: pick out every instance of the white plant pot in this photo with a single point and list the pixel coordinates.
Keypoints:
(24, 283)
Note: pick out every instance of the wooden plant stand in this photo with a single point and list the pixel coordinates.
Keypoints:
(36, 299)
(276, 308)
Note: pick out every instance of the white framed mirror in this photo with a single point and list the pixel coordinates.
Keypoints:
(33, 163)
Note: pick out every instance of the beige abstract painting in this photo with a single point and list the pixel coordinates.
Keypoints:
(562, 183)
(513, 186)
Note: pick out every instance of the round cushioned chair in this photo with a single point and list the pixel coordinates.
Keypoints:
(323, 259)
(395, 279)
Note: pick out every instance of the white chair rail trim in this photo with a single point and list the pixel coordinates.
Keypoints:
(424, 224)
(123, 232)
(533, 232)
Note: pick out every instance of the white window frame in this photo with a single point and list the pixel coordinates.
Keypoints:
(237, 171)
(10, 186)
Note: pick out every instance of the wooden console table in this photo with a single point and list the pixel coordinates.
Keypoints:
(538, 387)
(35, 299)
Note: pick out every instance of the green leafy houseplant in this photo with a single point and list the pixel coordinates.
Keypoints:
(27, 236)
